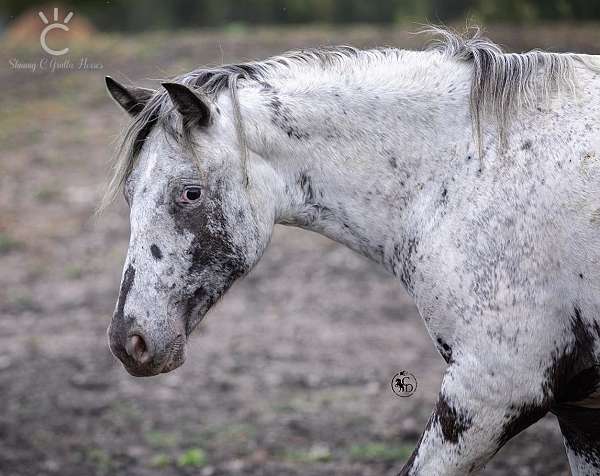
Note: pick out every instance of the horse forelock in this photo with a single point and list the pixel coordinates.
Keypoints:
(501, 84)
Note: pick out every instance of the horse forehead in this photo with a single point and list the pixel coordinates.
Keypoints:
(159, 163)
(149, 166)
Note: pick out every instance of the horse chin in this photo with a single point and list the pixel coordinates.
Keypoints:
(173, 364)
(176, 356)
(144, 372)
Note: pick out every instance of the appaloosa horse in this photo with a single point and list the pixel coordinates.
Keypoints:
(472, 175)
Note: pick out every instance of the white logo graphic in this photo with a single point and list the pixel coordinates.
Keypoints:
(54, 26)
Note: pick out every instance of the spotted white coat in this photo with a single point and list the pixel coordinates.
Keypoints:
(471, 175)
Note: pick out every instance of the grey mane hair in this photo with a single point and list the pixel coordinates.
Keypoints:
(501, 84)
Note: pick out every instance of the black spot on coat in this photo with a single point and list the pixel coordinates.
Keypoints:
(519, 418)
(155, 250)
(128, 278)
(569, 372)
(581, 429)
(452, 421)
(444, 349)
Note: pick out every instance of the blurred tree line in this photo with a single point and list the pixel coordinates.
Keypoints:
(161, 14)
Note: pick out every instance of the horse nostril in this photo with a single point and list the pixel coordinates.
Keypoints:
(137, 349)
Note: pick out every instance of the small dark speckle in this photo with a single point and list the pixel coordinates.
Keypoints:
(155, 250)
(393, 162)
(526, 145)
(581, 275)
(445, 349)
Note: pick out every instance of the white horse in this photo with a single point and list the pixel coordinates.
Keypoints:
(470, 174)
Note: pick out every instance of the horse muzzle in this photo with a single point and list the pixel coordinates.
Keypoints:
(145, 356)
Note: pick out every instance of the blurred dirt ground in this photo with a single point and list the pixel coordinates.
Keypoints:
(288, 375)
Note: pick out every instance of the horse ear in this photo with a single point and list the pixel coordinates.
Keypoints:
(192, 107)
(132, 100)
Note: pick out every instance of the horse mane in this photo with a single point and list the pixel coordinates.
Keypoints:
(501, 84)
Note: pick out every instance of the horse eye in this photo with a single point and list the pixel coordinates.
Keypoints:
(191, 194)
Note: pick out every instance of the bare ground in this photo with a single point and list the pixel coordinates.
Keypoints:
(288, 375)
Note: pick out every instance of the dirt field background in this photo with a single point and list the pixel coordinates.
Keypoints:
(288, 375)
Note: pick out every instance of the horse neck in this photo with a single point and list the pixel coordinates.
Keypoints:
(363, 157)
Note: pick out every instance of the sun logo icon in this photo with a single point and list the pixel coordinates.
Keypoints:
(54, 26)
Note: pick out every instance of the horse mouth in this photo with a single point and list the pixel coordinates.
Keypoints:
(169, 365)
(176, 356)
(174, 364)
